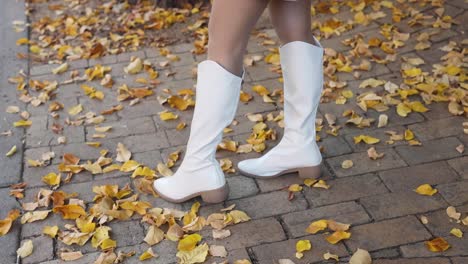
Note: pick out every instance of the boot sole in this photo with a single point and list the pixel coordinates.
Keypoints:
(213, 196)
(313, 172)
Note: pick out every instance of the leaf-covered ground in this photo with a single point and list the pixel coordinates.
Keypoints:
(105, 107)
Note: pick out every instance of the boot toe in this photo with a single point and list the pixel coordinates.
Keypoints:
(163, 186)
(244, 165)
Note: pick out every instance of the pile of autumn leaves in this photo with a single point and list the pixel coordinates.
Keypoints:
(83, 29)
(111, 203)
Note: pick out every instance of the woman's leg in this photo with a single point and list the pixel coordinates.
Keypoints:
(217, 97)
(292, 20)
(301, 63)
(229, 29)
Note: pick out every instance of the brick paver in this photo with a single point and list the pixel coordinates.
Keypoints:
(433, 150)
(376, 197)
(455, 193)
(44, 250)
(256, 232)
(286, 249)
(270, 204)
(460, 165)
(459, 260)
(347, 189)
(414, 261)
(409, 178)
(440, 225)
(401, 203)
(381, 234)
(362, 163)
(459, 247)
(348, 212)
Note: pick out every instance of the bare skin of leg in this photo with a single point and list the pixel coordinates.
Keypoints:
(229, 29)
(291, 20)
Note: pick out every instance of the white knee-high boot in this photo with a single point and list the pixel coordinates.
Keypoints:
(302, 67)
(217, 97)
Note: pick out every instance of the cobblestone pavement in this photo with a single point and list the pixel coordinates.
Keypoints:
(375, 196)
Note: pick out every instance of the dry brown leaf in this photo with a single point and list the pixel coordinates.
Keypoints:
(218, 251)
(71, 256)
(220, 234)
(452, 213)
(26, 249)
(164, 170)
(437, 245)
(154, 235)
(328, 256)
(424, 220)
(30, 217)
(383, 120)
(361, 256)
(346, 164)
(460, 148)
(123, 154)
(337, 226)
(372, 153)
(282, 261)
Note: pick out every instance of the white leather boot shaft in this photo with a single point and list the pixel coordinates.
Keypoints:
(217, 97)
(302, 67)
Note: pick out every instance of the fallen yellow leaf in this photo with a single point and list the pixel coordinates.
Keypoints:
(167, 115)
(366, 139)
(134, 67)
(148, 254)
(317, 226)
(75, 109)
(295, 188)
(426, 189)
(337, 236)
(456, 232)
(60, 69)
(70, 211)
(22, 123)
(50, 231)
(52, 179)
(11, 152)
(301, 246)
(403, 110)
(6, 223)
(197, 255)
(189, 242)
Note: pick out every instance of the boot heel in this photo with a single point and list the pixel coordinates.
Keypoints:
(216, 196)
(310, 172)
